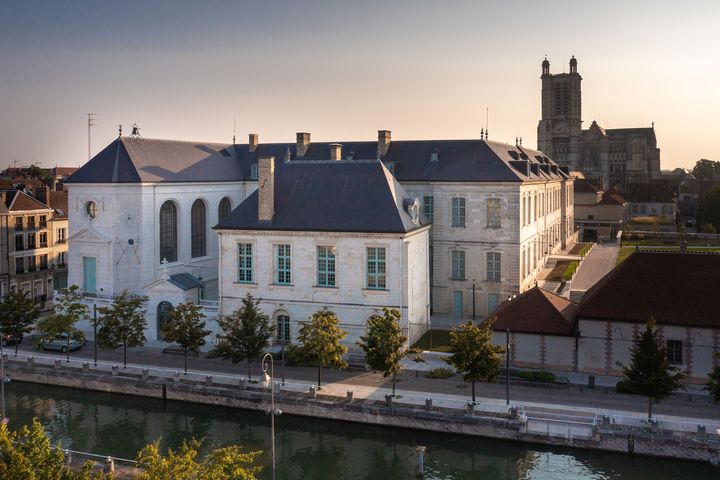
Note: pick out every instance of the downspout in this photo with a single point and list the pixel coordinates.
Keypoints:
(220, 277)
(402, 283)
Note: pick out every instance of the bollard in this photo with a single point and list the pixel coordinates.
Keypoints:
(606, 420)
(241, 383)
(31, 361)
(702, 429)
(208, 380)
(421, 460)
(428, 404)
(631, 444)
(58, 363)
(312, 392)
(145, 374)
(176, 377)
(388, 400)
(349, 395)
(115, 370)
(591, 381)
(109, 465)
(470, 408)
(513, 413)
(86, 367)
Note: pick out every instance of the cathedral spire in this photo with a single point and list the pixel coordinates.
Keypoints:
(545, 66)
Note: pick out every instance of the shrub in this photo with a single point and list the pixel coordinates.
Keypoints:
(537, 376)
(622, 387)
(570, 270)
(440, 373)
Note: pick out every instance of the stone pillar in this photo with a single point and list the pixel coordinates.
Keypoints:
(253, 140)
(303, 142)
(384, 137)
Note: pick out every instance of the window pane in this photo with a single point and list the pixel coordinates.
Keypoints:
(376, 268)
(493, 266)
(326, 266)
(245, 266)
(282, 264)
(458, 212)
(428, 207)
(283, 329)
(168, 232)
(198, 229)
(224, 208)
(458, 265)
(493, 212)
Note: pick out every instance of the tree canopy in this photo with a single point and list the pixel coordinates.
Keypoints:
(713, 384)
(187, 329)
(650, 373)
(18, 313)
(474, 355)
(705, 169)
(708, 210)
(71, 304)
(123, 323)
(319, 340)
(245, 333)
(384, 342)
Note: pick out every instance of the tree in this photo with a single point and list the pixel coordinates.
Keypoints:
(246, 333)
(383, 345)
(713, 384)
(186, 329)
(18, 313)
(71, 304)
(473, 353)
(228, 463)
(706, 169)
(707, 212)
(319, 341)
(650, 373)
(122, 324)
(28, 455)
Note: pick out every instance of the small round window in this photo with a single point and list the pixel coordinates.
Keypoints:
(91, 209)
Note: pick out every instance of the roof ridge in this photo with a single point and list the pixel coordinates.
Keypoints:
(590, 293)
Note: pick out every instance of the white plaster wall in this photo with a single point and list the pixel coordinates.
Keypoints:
(559, 353)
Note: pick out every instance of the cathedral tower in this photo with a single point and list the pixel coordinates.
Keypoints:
(560, 126)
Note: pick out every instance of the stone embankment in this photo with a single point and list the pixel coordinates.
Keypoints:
(510, 424)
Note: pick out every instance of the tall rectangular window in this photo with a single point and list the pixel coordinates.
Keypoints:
(675, 352)
(458, 265)
(18, 223)
(493, 266)
(429, 207)
(19, 242)
(32, 263)
(458, 212)
(43, 239)
(282, 265)
(376, 268)
(493, 212)
(326, 266)
(19, 265)
(254, 171)
(245, 263)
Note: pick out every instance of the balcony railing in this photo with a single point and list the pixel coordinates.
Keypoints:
(60, 241)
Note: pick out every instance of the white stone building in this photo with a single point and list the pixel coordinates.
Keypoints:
(339, 235)
(497, 211)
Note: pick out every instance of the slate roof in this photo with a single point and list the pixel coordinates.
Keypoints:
(184, 281)
(536, 311)
(17, 200)
(133, 160)
(651, 192)
(583, 185)
(647, 132)
(330, 196)
(674, 288)
(59, 203)
(612, 197)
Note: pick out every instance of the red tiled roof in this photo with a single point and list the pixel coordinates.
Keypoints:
(582, 185)
(17, 200)
(536, 311)
(612, 197)
(59, 202)
(674, 288)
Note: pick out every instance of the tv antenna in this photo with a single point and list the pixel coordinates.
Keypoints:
(92, 122)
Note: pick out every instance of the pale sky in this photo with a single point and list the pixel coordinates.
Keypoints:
(344, 69)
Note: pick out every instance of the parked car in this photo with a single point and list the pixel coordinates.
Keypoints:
(8, 339)
(60, 342)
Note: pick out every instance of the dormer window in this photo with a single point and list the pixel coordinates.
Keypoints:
(412, 205)
(253, 171)
(435, 155)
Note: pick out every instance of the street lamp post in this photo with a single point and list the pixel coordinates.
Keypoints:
(473, 290)
(507, 366)
(267, 364)
(2, 378)
(95, 345)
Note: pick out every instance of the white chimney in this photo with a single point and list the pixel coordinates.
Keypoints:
(303, 142)
(253, 140)
(335, 151)
(266, 188)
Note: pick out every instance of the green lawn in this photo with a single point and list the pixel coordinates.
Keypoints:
(625, 251)
(435, 340)
(563, 270)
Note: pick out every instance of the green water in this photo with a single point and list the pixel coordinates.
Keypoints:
(308, 448)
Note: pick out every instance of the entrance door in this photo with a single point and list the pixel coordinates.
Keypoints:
(457, 303)
(89, 274)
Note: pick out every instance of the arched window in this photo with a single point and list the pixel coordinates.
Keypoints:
(163, 318)
(224, 208)
(168, 232)
(198, 229)
(283, 329)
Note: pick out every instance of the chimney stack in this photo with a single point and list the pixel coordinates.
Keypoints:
(253, 140)
(335, 151)
(266, 188)
(303, 142)
(383, 141)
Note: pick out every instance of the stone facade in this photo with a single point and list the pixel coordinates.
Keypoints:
(617, 156)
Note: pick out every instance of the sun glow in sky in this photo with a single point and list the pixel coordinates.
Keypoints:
(344, 69)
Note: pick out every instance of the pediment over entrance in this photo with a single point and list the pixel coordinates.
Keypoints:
(89, 235)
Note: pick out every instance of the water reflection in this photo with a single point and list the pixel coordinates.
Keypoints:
(312, 448)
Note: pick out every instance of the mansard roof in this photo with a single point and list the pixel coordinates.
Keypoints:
(330, 196)
(135, 160)
(17, 200)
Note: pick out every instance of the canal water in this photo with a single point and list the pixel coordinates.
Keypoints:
(309, 448)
